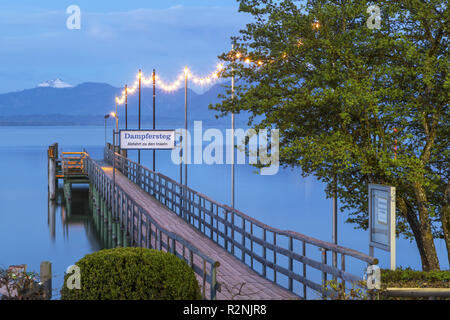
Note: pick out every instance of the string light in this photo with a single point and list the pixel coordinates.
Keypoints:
(120, 100)
(175, 85)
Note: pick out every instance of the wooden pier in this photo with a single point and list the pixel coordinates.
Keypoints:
(233, 255)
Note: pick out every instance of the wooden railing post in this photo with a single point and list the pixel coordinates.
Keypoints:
(291, 263)
(243, 240)
(264, 253)
(204, 279)
(324, 274)
(174, 249)
(214, 283)
(226, 231)
(232, 233)
(191, 259)
(274, 257)
(343, 269)
(304, 267)
(140, 228)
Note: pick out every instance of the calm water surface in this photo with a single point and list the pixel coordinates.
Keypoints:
(29, 234)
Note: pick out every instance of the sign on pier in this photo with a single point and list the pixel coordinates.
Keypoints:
(147, 139)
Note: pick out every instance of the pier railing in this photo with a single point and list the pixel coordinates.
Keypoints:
(261, 247)
(72, 163)
(143, 231)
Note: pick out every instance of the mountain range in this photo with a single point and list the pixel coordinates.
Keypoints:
(87, 103)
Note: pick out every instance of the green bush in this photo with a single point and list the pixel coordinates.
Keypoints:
(133, 274)
(408, 278)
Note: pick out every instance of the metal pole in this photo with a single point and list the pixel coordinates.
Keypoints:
(114, 171)
(139, 151)
(181, 159)
(154, 115)
(105, 131)
(117, 117)
(126, 107)
(117, 128)
(181, 176)
(335, 209)
(117, 132)
(185, 126)
(232, 142)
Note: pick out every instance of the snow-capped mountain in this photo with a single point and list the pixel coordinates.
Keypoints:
(57, 83)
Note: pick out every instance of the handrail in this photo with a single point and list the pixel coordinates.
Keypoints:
(105, 186)
(72, 163)
(221, 227)
(418, 292)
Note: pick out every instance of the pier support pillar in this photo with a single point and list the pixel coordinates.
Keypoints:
(51, 217)
(52, 156)
(124, 237)
(119, 235)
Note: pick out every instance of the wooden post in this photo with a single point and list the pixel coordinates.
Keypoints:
(52, 155)
(46, 278)
(204, 279)
(214, 283)
(304, 268)
(119, 234)
(51, 217)
(324, 274)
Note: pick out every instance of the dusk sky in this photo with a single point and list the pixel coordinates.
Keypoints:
(115, 40)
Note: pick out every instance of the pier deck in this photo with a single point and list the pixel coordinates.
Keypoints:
(232, 273)
(233, 255)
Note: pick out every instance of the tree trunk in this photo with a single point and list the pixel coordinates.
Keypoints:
(410, 214)
(445, 219)
(429, 259)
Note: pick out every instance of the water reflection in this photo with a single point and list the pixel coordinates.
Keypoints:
(75, 215)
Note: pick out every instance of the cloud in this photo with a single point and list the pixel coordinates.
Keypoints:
(111, 46)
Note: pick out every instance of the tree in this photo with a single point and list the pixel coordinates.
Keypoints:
(364, 105)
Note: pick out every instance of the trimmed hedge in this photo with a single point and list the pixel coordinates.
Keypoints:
(133, 274)
(408, 278)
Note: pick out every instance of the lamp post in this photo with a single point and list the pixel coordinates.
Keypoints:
(126, 107)
(154, 115)
(106, 117)
(139, 124)
(232, 137)
(117, 119)
(114, 115)
(186, 71)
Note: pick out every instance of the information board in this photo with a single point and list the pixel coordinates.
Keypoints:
(147, 139)
(382, 217)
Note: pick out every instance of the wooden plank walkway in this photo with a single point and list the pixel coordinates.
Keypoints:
(232, 273)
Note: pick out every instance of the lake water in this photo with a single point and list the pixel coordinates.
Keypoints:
(28, 235)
